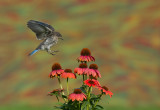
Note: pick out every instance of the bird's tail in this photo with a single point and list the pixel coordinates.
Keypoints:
(33, 52)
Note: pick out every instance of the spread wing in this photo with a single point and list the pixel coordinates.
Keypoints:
(41, 29)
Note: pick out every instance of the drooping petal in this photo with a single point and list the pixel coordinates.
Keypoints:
(78, 97)
(68, 75)
(98, 73)
(72, 96)
(93, 72)
(105, 90)
(80, 71)
(110, 93)
(53, 73)
(84, 96)
(92, 58)
(86, 58)
(91, 82)
(75, 70)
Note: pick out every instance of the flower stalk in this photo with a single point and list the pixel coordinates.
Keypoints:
(61, 87)
(80, 98)
(88, 97)
(79, 105)
(67, 87)
(83, 78)
(97, 101)
(60, 84)
(57, 98)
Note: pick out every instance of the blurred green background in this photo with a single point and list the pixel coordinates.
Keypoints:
(123, 36)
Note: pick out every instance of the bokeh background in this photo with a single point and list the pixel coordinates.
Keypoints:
(123, 36)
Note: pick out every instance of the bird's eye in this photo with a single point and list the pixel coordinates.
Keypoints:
(59, 34)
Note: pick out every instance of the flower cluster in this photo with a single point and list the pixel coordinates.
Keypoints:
(81, 97)
(77, 95)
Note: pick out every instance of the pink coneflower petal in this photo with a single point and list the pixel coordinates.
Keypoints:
(98, 73)
(92, 82)
(77, 95)
(73, 97)
(75, 70)
(84, 96)
(85, 56)
(54, 73)
(92, 58)
(68, 74)
(108, 93)
(82, 57)
(55, 91)
(81, 70)
(93, 70)
(56, 70)
(105, 90)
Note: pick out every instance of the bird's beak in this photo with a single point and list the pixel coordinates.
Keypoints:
(61, 38)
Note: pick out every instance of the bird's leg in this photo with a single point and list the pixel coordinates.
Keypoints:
(50, 52)
(54, 51)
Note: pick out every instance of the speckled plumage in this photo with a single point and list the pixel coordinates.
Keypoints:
(46, 33)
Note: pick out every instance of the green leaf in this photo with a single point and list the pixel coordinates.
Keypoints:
(58, 108)
(95, 99)
(64, 96)
(83, 88)
(55, 93)
(59, 103)
(93, 95)
(84, 104)
(70, 102)
(99, 107)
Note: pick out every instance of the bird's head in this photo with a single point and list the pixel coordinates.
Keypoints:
(58, 35)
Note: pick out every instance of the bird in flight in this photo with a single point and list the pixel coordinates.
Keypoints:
(46, 33)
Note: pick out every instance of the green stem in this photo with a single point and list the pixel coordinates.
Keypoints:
(85, 75)
(67, 87)
(57, 98)
(91, 89)
(88, 97)
(60, 84)
(83, 79)
(61, 87)
(97, 101)
(79, 106)
(95, 104)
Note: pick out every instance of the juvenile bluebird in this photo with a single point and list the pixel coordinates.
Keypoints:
(46, 33)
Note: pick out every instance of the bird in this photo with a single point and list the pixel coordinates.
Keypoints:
(46, 33)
